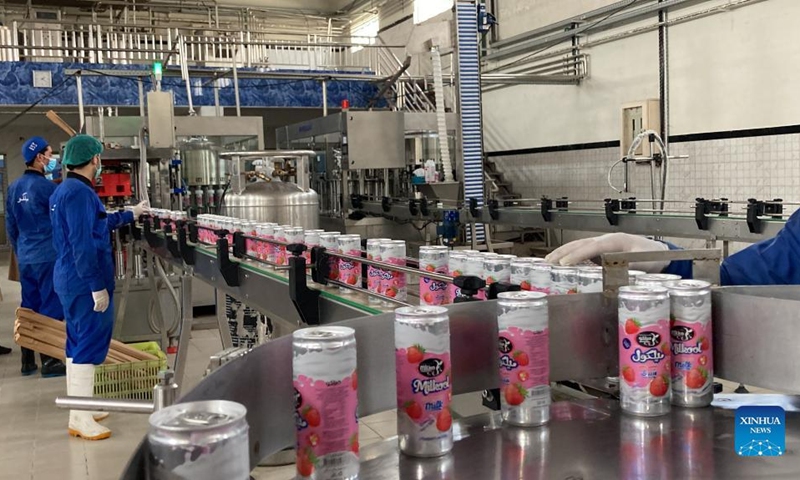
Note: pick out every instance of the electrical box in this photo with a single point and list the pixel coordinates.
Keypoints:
(161, 119)
(636, 117)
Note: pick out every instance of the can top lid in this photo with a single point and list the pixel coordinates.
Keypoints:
(377, 241)
(323, 333)
(198, 416)
(329, 233)
(636, 273)
(642, 290)
(522, 296)
(679, 287)
(656, 278)
(350, 236)
(433, 248)
(541, 266)
(421, 311)
(394, 242)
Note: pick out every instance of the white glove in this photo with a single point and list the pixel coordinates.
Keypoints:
(139, 209)
(588, 248)
(100, 300)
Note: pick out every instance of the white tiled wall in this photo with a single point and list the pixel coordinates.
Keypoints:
(754, 167)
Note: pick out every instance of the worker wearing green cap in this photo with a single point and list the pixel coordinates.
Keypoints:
(84, 272)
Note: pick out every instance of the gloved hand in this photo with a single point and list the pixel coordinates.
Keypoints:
(139, 209)
(588, 248)
(101, 300)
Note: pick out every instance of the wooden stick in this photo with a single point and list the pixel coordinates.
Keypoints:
(40, 347)
(47, 322)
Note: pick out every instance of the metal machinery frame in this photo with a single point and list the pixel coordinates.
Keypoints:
(371, 154)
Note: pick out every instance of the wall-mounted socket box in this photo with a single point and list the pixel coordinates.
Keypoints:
(638, 116)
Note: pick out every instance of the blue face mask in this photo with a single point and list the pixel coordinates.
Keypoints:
(99, 170)
(51, 166)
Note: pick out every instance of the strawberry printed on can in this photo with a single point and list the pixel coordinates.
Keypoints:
(393, 284)
(590, 279)
(349, 270)
(563, 280)
(496, 270)
(692, 350)
(433, 259)
(524, 351)
(644, 350)
(374, 274)
(326, 403)
(422, 351)
(329, 241)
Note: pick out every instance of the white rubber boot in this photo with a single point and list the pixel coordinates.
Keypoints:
(81, 384)
(98, 416)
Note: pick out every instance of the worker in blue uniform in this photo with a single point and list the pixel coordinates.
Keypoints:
(31, 237)
(84, 272)
(770, 262)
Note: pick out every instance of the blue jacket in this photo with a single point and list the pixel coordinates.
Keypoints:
(27, 208)
(771, 262)
(81, 234)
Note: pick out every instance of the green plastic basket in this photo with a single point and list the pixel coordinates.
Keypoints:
(132, 380)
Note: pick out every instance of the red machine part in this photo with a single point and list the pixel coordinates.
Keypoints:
(114, 185)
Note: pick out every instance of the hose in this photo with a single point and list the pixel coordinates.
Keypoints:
(163, 274)
(610, 171)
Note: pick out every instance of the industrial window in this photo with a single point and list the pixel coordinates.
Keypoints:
(426, 9)
(364, 32)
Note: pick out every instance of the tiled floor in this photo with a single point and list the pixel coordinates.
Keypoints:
(33, 433)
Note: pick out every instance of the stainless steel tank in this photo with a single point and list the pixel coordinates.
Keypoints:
(201, 163)
(282, 203)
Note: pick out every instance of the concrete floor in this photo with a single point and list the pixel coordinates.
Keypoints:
(33, 433)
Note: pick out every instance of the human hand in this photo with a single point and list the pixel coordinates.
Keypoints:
(101, 300)
(585, 249)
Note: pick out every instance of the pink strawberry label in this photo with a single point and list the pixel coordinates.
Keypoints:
(432, 292)
(349, 271)
(692, 359)
(423, 390)
(393, 284)
(374, 276)
(524, 367)
(326, 421)
(644, 356)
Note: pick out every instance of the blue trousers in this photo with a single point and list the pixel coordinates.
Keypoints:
(88, 332)
(36, 280)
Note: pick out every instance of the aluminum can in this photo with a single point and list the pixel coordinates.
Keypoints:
(393, 284)
(456, 264)
(433, 259)
(644, 350)
(374, 274)
(590, 279)
(563, 280)
(329, 241)
(349, 270)
(311, 240)
(656, 279)
(326, 402)
(278, 252)
(692, 338)
(497, 270)
(540, 277)
(422, 354)
(524, 350)
(201, 440)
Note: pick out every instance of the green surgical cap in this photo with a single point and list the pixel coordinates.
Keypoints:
(80, 149)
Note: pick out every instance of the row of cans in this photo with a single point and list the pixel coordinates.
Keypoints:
(665, 345)
(326, 383)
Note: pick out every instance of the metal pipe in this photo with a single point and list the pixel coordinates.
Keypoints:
(81, 115)
(105, 404)
(269, 153)
(324, 98)
(236, 87)
(663, 67)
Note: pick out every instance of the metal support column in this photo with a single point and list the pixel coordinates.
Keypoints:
(186, 329)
